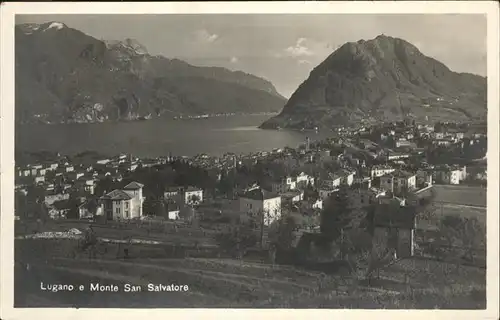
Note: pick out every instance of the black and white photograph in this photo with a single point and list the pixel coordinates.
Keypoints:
(280, 159)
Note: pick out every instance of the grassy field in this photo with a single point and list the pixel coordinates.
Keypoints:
(217, 282)
(464, 195)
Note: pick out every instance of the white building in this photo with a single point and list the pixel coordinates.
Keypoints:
(103, 161)
(193, 195)
(89, 186)
(303, 180)
(124, 204)
(345, 177)
(378, 171)
(39, 180)
(173, 211)
(291, 183)
(258, 201)
(51, 198)
(450, 175)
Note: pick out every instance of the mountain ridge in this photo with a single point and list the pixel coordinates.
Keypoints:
(75, 77)
(382, 79)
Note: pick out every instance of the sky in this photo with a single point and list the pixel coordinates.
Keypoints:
(284, 48)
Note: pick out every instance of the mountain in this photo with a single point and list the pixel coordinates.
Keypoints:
(64, 75)
(383, 79)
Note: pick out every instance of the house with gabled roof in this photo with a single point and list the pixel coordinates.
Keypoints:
(398, 181)
(257, 202)
(123, 204)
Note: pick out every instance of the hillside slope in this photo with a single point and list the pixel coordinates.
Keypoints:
(64, 75)
(384, 79)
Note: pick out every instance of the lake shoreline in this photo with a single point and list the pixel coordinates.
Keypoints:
(155, 137)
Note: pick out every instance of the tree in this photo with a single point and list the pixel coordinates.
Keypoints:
(92, 207)
(338, 214)
(161, 210)
(73, 204)
(148, 207)
(469, 233)
(365, 254)
(281, 233)
(194, 199)
(104, 185)
(473, 236)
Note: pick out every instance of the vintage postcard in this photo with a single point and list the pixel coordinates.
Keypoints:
(269, 159)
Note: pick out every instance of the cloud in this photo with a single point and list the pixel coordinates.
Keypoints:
(303, 61)
(299, 49)
(205, 36)
(234, 60)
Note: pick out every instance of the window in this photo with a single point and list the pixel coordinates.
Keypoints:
(126, 205)
(117, 210)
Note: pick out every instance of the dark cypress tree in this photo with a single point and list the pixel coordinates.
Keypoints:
(336, 215)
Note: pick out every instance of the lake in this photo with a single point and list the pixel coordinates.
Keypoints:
(159, 137)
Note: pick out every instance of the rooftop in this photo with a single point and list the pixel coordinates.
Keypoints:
(400, 174)
(133, 186)
(117, 195)
(191, 189)
(259, 194)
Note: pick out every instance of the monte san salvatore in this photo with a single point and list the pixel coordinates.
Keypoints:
(382, 79)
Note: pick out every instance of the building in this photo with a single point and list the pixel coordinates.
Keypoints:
(123, 204)
(361, 198)
(52, 166)
(290, 183)
(394, 230)
(89, 186)
(39, 180)
(342, 176)
(193, 195)
(53, 197)
(279, 187)
(326, 191)
(392, 156)
(257, 202)
(450, 175)
(173, 210)
(291, 197)
(398, 181)
(443, 142)
(303, 180)
(171, 193)
(378, 171)
(116, 205)
(103, 161)
(424, 178)
(89, 208)
(438, 135)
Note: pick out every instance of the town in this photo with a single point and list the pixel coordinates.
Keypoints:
(419, 190)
